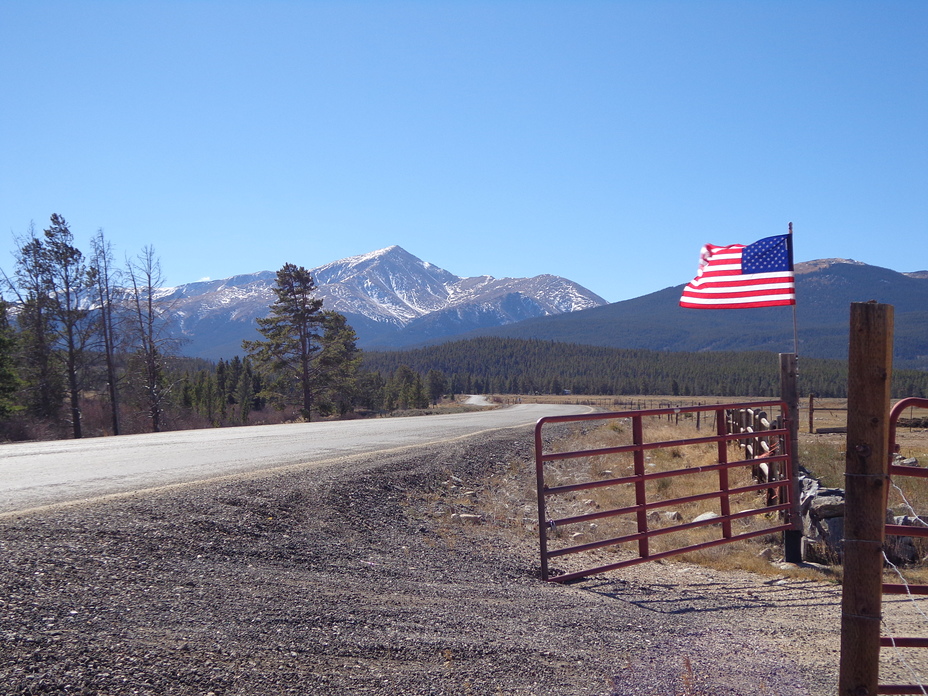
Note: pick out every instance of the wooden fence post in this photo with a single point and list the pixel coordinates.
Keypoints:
(811, 413)
(789, 393)
(867, 465)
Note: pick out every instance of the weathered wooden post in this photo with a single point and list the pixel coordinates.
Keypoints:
(789, 393)
(866, 481)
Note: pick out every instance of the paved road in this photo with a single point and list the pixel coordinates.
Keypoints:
(34, 474)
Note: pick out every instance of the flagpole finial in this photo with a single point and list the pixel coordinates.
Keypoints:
(790, 228)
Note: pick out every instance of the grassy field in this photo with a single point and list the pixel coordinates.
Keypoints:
(827, 413)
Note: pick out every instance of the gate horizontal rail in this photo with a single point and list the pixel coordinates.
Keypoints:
(782, 486)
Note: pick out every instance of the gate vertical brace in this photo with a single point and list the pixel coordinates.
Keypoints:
(789, 393)
(724, 502)
(867, 478)
(542, 512)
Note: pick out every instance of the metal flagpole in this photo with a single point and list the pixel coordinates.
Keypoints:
(795, 323)
(789, 393)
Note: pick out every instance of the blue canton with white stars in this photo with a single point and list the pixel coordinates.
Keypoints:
(770, 255)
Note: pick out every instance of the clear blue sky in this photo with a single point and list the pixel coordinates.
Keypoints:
(601, 141)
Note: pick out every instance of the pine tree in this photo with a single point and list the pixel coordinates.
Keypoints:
(336, 366)
(291, 336)
(234, 367)
(437, 385)
(244, 395)
(209, 399)
(222, 388)
(40, 367)
(68, 278)
(9, 380)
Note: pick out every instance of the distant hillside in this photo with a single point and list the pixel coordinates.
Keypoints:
(518, 366)
(825, 290)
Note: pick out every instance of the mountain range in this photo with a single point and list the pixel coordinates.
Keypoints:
(391, 298)
(395, 300)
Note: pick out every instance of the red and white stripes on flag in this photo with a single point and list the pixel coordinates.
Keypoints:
(737, 276)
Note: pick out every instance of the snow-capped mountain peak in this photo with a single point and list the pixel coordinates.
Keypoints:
(390, 297)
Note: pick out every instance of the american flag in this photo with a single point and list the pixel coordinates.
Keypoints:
(756, 275)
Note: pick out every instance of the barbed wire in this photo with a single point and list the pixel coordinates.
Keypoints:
(907, 504)
(897, 652)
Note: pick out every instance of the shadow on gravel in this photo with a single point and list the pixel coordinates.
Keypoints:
(714, 596)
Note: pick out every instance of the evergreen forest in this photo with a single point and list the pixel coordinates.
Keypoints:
(526, 366)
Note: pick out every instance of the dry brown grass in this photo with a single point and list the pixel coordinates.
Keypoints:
(621, 403)
(510, 499)
(687, 482)
(826, 412)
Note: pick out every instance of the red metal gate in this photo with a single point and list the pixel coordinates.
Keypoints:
(897, 470)
(639, 482)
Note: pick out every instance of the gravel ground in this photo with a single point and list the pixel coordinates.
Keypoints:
(348, 581)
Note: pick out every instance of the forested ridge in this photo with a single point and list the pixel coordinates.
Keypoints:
(824, 291)
(523, 366)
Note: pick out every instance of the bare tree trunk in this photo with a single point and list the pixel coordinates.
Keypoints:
(145, 277)
(306, 379)
(101, 276)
